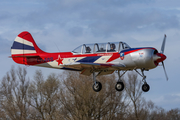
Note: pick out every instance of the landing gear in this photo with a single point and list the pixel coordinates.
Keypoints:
(145, 86)
(97, 86)
(120, 85)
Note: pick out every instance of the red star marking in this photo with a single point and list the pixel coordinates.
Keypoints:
(59, 60)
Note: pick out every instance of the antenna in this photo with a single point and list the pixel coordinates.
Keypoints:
(56, 46)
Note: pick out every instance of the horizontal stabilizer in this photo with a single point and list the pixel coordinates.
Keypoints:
(24, 56)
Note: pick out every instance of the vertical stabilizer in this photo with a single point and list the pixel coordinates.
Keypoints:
(24, 44)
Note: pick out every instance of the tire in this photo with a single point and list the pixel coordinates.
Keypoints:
(97, 87)
(119, 86)
(145, 87)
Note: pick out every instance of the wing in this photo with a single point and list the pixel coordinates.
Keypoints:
(87, 68)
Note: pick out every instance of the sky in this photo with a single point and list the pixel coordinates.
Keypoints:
(63, 25)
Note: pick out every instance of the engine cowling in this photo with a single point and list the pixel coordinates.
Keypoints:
(147, 58)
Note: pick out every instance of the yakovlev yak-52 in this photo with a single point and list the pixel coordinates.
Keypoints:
(97, 59)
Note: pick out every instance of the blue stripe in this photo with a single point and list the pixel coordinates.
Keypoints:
(127, 50)
(17, 45)
(89, 59)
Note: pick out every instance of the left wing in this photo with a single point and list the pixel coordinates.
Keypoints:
(87, 68)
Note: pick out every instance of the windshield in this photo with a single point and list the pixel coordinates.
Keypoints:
(78, 49)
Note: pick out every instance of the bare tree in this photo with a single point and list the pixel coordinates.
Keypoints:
(173, 114)
(43, 96)
(140, 109)
(13, 94)
(80, 102)
(157, 113)
(133, 90)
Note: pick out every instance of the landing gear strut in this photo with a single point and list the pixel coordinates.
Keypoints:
(145, 86)
(119, 85)
(97, 86)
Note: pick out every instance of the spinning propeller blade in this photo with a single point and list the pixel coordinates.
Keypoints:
(162, 51)
(163, 44)
(165, 71)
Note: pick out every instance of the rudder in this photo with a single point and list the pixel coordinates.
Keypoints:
(24, 44)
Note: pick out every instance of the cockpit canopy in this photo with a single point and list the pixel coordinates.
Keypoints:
(101, 48)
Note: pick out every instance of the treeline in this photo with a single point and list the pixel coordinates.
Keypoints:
(69, 96)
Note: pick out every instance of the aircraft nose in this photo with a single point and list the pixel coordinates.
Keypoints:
(160, 57)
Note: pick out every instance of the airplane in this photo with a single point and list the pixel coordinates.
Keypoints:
(97, 59)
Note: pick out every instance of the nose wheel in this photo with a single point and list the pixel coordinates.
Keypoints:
(145, 86)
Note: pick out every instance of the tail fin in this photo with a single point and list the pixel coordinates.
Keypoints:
(24, 44)
(24, 49)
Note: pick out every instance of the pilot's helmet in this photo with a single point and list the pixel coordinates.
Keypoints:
(88, 49)
(113, 46)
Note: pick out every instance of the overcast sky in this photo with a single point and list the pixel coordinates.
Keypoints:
(66, 24)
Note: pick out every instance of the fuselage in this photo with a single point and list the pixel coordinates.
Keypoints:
(132, 58)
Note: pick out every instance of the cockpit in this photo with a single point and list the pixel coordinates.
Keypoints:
(101, 48)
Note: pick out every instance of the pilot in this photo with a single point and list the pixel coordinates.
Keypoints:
(88, 50)
(113, 47)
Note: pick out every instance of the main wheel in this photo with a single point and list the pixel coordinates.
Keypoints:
(97, 86)
(145, 87)
(119, 86)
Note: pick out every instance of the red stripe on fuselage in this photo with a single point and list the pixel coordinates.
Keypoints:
(114, 56)
(135, 49)
(126, 52)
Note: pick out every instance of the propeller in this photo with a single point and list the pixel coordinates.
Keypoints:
(160, 57)
(165, 71)
(162, 51)
(163, 44)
